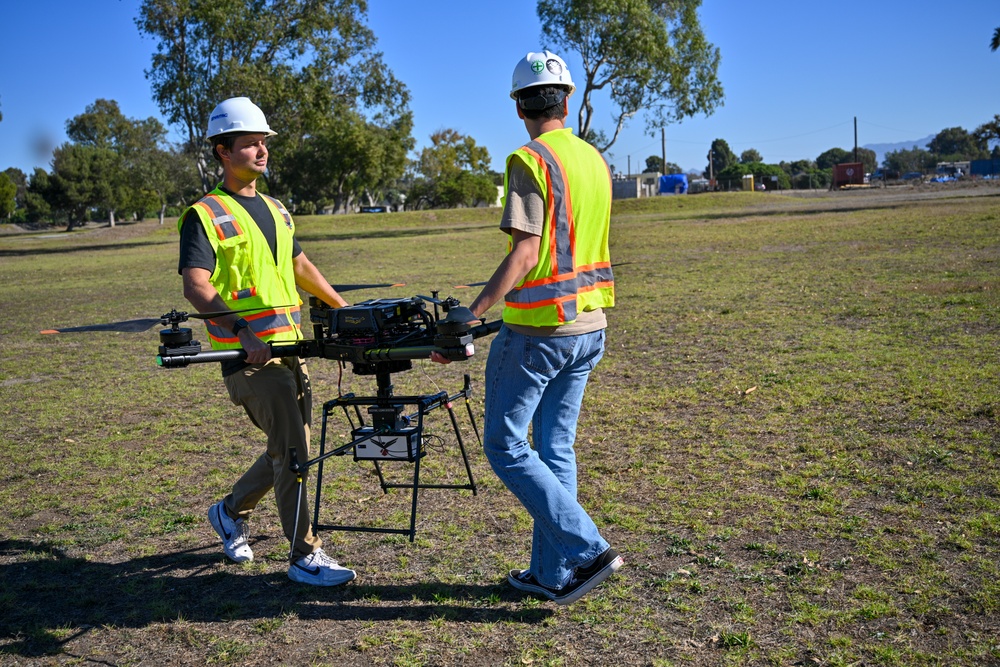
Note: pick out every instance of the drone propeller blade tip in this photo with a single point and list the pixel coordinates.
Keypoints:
(49, 331)
(398, 285)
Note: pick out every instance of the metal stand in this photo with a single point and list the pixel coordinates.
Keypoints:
(391, 436)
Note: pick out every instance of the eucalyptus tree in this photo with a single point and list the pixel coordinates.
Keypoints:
(452, 171)
(20, 181)
(988, 132)
(8, 196)
(956, 143)
(720, 156)
(84, 178)
(137, 147)
(348, 159)
(650, 56)
(39, 196)
(296, 59)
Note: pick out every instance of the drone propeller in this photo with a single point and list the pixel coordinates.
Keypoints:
(350, 288)
(129, 326)
(146, 323)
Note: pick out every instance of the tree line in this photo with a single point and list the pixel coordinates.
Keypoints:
(953, 144)
(345, 127)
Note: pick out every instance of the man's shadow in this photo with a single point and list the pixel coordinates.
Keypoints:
(43, 592)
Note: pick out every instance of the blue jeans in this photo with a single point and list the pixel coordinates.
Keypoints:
(540, 381)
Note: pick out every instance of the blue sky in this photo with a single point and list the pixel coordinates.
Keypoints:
(795, 74)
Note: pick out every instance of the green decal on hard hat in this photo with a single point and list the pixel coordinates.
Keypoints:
(537, 66)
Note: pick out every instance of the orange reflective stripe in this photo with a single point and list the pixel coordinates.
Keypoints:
(243, 294)
(281, 209)
(264, 323)
(221, 216)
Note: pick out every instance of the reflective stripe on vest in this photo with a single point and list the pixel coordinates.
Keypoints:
(281, 209)
(266, 322)
(225, 223)
(561, 287)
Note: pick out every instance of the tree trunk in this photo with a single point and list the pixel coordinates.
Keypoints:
(163, 211)
(111, 217)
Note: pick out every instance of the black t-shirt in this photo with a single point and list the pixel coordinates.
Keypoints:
(197, 252)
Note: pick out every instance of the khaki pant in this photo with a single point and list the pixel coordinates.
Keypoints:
(278, 399)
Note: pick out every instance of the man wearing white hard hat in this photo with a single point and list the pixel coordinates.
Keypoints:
(555, 283)
(238, 251)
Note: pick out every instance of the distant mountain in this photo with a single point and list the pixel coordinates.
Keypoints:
(882, 149)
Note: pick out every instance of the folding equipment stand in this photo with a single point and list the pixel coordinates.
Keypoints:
(391, 435)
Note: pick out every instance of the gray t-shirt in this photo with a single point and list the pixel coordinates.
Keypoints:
(524, 210)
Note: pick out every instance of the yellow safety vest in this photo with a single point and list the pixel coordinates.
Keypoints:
(246, 275)
(573, 273)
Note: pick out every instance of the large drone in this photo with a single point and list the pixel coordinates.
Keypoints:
(376, 336)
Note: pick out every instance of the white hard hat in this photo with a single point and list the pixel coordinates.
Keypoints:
(540, 69)
(237, 114)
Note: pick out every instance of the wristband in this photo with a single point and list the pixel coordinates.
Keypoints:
(240, 325)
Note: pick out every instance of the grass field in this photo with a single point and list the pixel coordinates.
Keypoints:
(792, 439)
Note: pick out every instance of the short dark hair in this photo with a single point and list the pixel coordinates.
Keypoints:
(227, 141)
(535, 96)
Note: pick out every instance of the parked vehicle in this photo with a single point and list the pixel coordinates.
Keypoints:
(883, 175)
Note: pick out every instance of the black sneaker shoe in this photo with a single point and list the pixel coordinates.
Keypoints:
(523, 580)
(586, 579)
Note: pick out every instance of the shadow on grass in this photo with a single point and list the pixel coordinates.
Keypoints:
(310, 236)
(28, 252)
(307, 236)
(50, 599)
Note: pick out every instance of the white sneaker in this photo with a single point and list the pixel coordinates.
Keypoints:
(319, 569)
(234, 534)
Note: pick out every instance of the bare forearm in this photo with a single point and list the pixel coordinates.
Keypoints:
(511, 271)
(309, 278)
(205, 298)
(508, 274)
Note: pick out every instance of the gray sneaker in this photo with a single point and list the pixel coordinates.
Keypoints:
(234, 534)
(318, 569)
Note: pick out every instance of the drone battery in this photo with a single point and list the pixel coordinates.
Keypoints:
(397, 445)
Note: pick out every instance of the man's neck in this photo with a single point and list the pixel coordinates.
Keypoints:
(537, 128)
(238, 186)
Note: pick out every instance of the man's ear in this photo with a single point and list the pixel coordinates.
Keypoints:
(520, 114)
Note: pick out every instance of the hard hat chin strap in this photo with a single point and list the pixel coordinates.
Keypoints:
(541, 102)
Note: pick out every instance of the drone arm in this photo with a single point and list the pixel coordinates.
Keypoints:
(183, 360)
(486, 329)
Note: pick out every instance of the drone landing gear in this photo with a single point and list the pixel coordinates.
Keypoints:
(390, 436)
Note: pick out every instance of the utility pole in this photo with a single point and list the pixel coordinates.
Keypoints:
(663, 151)
(855, 138)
